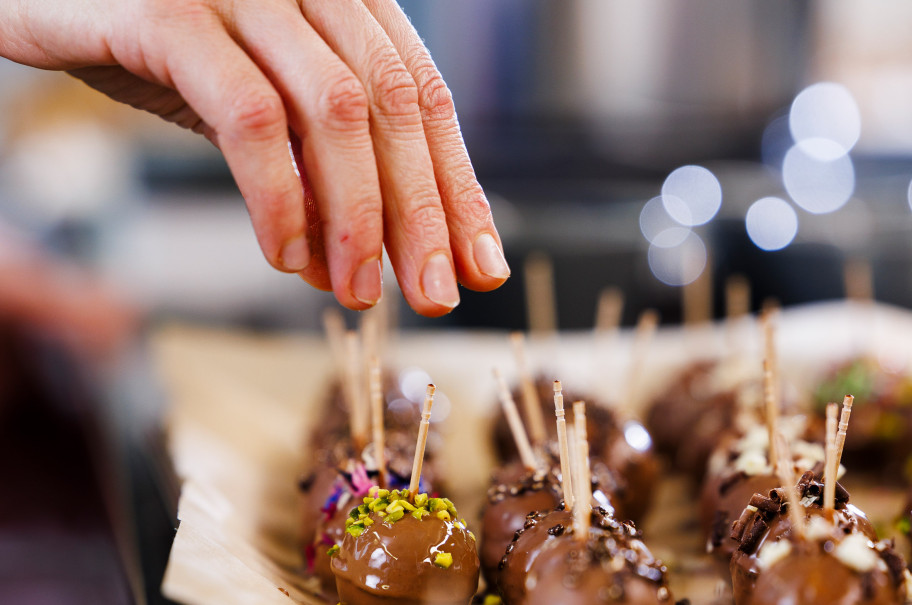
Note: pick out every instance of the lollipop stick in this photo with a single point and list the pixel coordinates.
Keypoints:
(582, 481)
(334, 324)
(770, 386)
(843, 427)
(829, 480)
(376, 396)
(530, 399)
(422, 439)
(785, 470)
(541, 304)
(565, 460)
(642, 339)
(516, 426)
(358, 410)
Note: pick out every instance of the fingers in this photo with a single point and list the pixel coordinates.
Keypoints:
(416, 233)
(247, 117)
(476, 246)
(328, 108)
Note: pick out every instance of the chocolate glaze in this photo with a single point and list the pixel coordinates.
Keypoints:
(393, 563)
(770, 523)
(722, 503)
(688, 418)
(505, 512)
(636, 469)
(810, 576)
(881, 436)
(545, 564)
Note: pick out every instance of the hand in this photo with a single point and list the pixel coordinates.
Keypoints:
(347, 84)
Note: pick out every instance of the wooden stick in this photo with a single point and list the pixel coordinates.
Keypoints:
(541, 303)
(645, 331)
(785, 469)
(376, 397)
(582, 510)
(530, 399)
(829, 477)
(697, 298)
(610, 308)
(370, 335)
(358, 409)
(516, 427)
(772, 413)
(859, 281)
(422, 439)
(843, 427)
(334, 325)
(770, 385)
(565, 460)
(737, 296)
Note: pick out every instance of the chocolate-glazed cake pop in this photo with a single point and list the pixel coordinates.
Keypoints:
(510, 502)
(407, 550)
(738, 469)
(842, 553)
(545, 563)
(881, 438)
(697, 408)
(624, 445)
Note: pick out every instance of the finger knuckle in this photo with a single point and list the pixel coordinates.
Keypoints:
(257, 114)
(434, 95)
(424, 217)
(395, 92)
(344, 103)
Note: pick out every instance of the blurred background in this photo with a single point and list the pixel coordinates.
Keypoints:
(645, 145)
(634, 144)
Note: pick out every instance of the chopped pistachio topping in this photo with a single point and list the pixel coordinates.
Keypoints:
(393, 505)
(333, 550)
(443, 559)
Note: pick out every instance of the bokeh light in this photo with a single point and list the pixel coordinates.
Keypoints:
(413, 383)
(818, 186)
(658, 227)
(909, 194)
(678, 265)
(771, 223)
(825, 110)
(691, 195)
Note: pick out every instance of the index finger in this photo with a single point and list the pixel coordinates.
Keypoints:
(476, 246)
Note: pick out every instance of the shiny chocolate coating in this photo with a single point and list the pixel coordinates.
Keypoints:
(634, 463)
(767, 521)
(394, 563)
(546, 564)
(810, 576)
(505, 512)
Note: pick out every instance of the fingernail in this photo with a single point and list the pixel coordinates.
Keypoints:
(490, 258)
(439, 282)
(295, 256)
(367, 282)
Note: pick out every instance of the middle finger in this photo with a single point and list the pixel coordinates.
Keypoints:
(415, 227)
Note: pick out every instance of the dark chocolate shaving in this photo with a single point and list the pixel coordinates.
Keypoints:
(729, 482)
(752, 534)
(764, 505)
(719, 528)
(895, 564)
(738, 527)
(556, 530)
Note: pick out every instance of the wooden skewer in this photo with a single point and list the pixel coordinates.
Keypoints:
(370, 335)
(645, 331)
(859, 281)
(737, 296)
(610, 307)
(830, 466)
(541, 303)
(843, 427)
(785, 469)
(358, 410)
(770, 386)
(376, 397)
(565, 460)
(422, 439)
(334, 325)
(697, 298)
(582, 510)
(530, 399)
(526, 455)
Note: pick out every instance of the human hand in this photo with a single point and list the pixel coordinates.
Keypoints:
(347, 84)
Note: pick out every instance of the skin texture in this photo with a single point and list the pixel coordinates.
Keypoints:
(348, 86)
